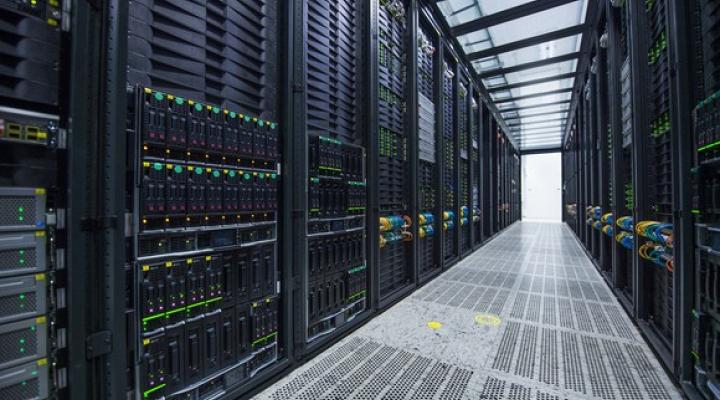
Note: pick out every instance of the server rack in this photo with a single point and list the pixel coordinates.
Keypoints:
(449, 158)
(429, 149)
(476, 172)
(464, 153)
(33, 199)
(396, 258)
(653, 81)
(204, 187)
(330, 167)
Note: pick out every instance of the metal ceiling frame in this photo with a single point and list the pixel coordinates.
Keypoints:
(542, 114)
(534, 64)
(560, 77)
(555, 103)
(536, 122)
(510, 14)
(527, 42)
(532, 96)
(526, 132)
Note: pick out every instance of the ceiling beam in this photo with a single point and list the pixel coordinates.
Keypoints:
(550, 132)
(510, 14)
(530, 65)
(534, 106)
(531, 41)
(532, 82)
(539, 128)
(542, 114)
(532, 96)
(514, 124)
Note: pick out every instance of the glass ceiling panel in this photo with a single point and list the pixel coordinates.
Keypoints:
(461, 11)
(537, 24)
(542, 87)
(541, 51)
(560, 68)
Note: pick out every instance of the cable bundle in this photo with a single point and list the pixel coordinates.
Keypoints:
(426, 228)
(625, 223)
(394, 228)
(597, 212)
(608, 230)
(449, 218)
(597, 225)
(658, 232)
(476, 214)
(658, 254)
(464, 216)
(626, 240)
(608, 219)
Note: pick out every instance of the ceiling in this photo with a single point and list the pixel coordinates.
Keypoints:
(526, 53)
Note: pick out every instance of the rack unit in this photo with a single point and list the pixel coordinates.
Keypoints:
(204, 192)
(475, 175)
(395, 264)
(450, 161)
(429, 204)
(334, 290)
(463, 131)
(33, 201)
(706, 170)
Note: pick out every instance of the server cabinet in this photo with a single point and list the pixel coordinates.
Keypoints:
(429, 148)
(395, 144)
(33, 199)
(329, 170)
(475, 177)
(449, 162)
(204, 191)
(464, 160)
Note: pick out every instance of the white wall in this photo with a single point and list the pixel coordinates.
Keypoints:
(541, 187)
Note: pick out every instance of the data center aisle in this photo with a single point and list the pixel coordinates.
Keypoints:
(525, 317)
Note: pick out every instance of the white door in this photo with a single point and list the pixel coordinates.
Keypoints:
(541, 187)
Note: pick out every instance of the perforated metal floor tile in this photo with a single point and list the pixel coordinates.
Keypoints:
(525, 317)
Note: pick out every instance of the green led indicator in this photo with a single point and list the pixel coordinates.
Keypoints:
(232, 174)
(22, 349)
(22, 341)
(21, 209)
(24, 383)
(198, 170)
(177, 169)
(216, 174)
(261, 123)
(247, 118)
(157, 166)
(158, 96)
(22, 252)
(247, 177)
(233, 114)
(33, 328)
(261, 176)
(216, 110)
(34, 373)
(273, 125)
(179, 100)
(22, 297)
(198, 106)
(21, 218)
(21, 261)
(274, 176)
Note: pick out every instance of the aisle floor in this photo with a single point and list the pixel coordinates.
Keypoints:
(525, 317)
